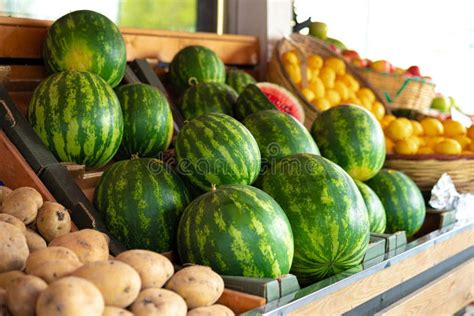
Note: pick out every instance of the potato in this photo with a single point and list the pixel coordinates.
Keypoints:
(4, 191)
(10, 219)
(50, 254)
(70, 296)
(34, 241)
(198, 285)
(159, 302)
(13, 248)
(7, 277)
(3, 302)
(89, 245)
(23, 293)
(153, 268)
(213, 310)
(117, 281)
(53, 270)
(23, 203)
(115, 311)
(53, 220)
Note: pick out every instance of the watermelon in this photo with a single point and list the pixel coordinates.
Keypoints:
(267, 96)
(327, 214)
(403, 202)
(279, 135)
(237, 230)
(207, 98)
(351, 136)
(215, 149)
(238, 79)
(142, 201)
(78, 116)
(148, 122)
(375, 209)
(86, 41)
(196, 64)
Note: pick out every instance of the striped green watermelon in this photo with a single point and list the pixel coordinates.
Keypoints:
(148, 122)
(279, 135)
(78, 116)
(238, 79)
(350, 136)
(402, 200)
(327, 214)
(86, 41)
(215, 149)
(142, 201)
(237, 230)
(207, 98)
(267, 96)
(376, 211)
(196, 64)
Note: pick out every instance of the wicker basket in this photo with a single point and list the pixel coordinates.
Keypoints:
(305, 45)
(426, 170)
(401, 91)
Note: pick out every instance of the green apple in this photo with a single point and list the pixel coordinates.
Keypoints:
(442, 104)
(319, 30)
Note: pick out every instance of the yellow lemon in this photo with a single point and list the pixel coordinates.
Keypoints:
(333, 97)
(365, 102)
(387, 119)
(463, 140)
(294, 72)
(399, 129)
(337, 64)
(354, 100)
(449, 147)
(328, 76)
(317, 87)
(470, 132)
(290, 57)
(315, 61)
(378, 110)
(467, 152)
(342, 89)
(309, 75)
(419, 140)
(308, 94)
(432, 126)
(366, 93)
(315, 74)
(406, 146)
(453, 128)
(349, 81)
(417, 128)
(471, 146)
(322, 104)
(389, 144)
(425, 150)
(432, 141)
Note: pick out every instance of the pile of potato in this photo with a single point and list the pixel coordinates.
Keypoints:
(45, 269)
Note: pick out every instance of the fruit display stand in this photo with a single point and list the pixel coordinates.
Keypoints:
(409, 279)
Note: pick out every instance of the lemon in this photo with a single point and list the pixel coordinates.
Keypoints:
(432, 141)
(406, 146)
(470, 132)
(419, 140)
(294, 72)
(467, 152)
(432, 126)
(328, 77)
(417, 128)
(449, 147)
(315, 73)
(387, 119)
(453, 128)
(425, 150)
(471, 146)
(342, 89)
(322, 104)
(389, 144)
(308, 94)
(290, 57)
(463, 140)
(366, 93)
(349, 81)
(354, 100)
(378, 110)
(315, 61)
(337, 64)
(333, 97)
(309, 75)
(399, 129)
(365, 102)
(317, 87)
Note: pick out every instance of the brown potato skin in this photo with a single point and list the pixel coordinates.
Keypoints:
(71, 296)
(89, 245)
(213, 310)
(23, 293)
(159, 302)
(23, 203)
(154, 269)
(50, 254)
(8, 277)
(13, 248)
(10, 219)
(115, 311)
(4, 191)
(53, 220)
(53, 270)
(198, 285)
(34, 240)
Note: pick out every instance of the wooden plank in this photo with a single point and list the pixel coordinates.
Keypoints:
(22, 100)
(359, 292)
(240, 302)
(443, 296)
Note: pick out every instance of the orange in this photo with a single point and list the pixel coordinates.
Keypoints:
(399, 129)
(389, 144)
(432, 127)
(406, 146)
(315, 61)
(467, 152)
(417, 128)
(425, 150)
(470, 132)
(294, 72)
(463, 140)
(322, 104)
(290, 57)
(378, 110)
(471, 146)
(308, 94)
(317, 87)
(449, 147)
(328, 77)
(453, 128)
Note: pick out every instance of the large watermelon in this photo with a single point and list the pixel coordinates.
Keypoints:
(375, 209)
(78, 116)
(238, 79)
(148, 122)
(86, 41)
(237, 230)
(207, 98)
(196, 64)
(142, 201)
(279, 135)
(350, 136)
(215, 149)
(327, 214)
(402, 200)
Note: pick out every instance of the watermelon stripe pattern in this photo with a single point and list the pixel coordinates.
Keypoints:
(237, 230)
(403, 202)
(239, 79)
(375, 209)
(142, 201)
(86, 41)
(208, 98)
(351, 137)
(215, 149)
(148, 122)
(252, 100)
(326, 212)
(78, 116)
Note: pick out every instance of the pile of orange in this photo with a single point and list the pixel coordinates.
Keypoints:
(429, 136)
